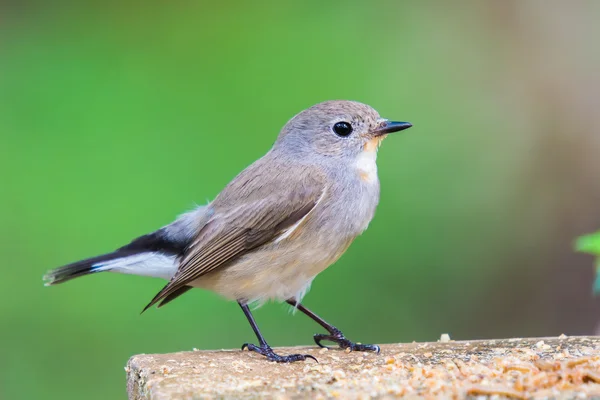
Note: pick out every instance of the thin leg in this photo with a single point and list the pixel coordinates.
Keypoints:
(263, 347)
(335, 335)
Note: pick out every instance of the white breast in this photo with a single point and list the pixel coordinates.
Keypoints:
(366, 165)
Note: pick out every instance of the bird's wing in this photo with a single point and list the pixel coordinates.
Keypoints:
(234, 232)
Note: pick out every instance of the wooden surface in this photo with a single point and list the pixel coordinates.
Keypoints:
(558, 368)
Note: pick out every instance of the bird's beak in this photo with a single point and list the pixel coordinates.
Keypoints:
(391, 126)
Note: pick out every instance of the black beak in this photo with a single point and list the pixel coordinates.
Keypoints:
(391, 126)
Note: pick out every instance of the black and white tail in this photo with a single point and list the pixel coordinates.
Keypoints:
(153, 255)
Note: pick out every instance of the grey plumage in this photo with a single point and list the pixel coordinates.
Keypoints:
(275, 226)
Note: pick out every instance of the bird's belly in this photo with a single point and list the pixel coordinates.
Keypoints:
(277, 272)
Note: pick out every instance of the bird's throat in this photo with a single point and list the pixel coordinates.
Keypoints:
(373, 144)
(366, 162)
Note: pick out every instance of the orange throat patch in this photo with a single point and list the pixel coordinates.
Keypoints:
(366, 161)
(373, 144)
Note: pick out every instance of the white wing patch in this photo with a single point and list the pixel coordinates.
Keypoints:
(292, 228)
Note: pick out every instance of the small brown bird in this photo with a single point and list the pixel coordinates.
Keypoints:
(275, 226)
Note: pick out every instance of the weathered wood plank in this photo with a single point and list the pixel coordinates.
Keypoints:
(561, 368)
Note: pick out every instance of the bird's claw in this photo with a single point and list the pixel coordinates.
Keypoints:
(344, 343)
(272, 356)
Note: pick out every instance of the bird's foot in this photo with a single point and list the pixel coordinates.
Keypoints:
(268, 352)
(338, 337)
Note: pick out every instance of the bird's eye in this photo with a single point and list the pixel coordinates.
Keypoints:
(342, 128)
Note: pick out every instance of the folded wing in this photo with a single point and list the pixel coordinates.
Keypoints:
(241, 229)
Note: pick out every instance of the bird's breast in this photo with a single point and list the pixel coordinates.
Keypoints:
(366, 162)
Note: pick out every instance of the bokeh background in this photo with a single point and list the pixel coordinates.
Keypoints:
(116, 116)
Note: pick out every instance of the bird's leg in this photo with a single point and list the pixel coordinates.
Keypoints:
(263, 347)
(335, 335)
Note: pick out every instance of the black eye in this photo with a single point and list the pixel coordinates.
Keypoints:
(342, 128)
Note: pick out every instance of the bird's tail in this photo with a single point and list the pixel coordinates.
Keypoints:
(149, 255)
(79, 268)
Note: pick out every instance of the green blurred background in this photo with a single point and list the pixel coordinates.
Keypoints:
(115, 117)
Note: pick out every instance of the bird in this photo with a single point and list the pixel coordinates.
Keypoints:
(278, 224)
